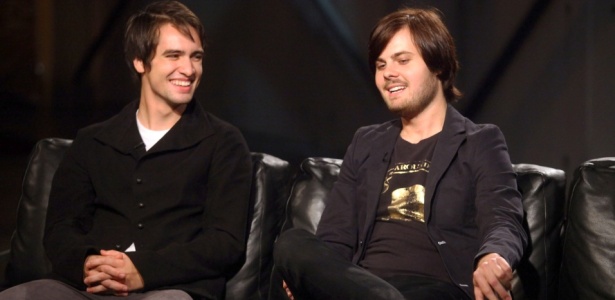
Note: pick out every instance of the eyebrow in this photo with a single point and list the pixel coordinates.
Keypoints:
(181, 52)
(396, 55)
(172, 51)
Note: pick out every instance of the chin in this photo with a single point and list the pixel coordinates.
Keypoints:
(182, 100)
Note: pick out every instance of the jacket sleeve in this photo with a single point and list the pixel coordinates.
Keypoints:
(220, 247)
(498, 202)
(338, 225)
(69, 217)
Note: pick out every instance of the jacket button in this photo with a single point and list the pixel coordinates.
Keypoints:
(141, 205)
(118, 247)
(140, 225)
(139, 180)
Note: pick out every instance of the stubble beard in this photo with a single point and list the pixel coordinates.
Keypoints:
(417, 103)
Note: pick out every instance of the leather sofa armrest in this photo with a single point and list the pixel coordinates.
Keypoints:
(588, 257)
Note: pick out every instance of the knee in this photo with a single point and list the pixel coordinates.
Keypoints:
(29, 289)
(291, 245)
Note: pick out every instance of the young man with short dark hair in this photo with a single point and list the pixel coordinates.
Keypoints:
(152, 203)
(425, 206)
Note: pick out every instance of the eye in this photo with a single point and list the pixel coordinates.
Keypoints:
(380, 66)
(404, 61)
(197, 57)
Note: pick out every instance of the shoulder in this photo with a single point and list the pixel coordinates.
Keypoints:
(219, 124)
(482, 132)
(204, 119)
(222, 131)
(460, 123)
(372, 132)
(113, 125)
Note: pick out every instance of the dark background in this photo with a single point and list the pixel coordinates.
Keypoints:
(292, 74)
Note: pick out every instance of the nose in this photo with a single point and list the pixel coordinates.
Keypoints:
(187, 67)
(389, 72)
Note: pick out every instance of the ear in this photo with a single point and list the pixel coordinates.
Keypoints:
(138, 64)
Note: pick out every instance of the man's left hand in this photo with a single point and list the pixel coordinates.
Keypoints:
(492, 278)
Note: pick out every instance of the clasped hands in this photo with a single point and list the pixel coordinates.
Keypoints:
(111, 272)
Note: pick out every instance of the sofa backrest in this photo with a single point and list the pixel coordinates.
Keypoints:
(588, 258)
(269, 193)
(270, 186)
(28, 260)
(543, 196)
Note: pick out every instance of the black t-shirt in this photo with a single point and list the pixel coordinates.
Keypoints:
(399, 244)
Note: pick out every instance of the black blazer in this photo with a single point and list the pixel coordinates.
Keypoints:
(184, 203)
(472, 206)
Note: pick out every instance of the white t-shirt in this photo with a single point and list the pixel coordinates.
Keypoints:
(149, 137)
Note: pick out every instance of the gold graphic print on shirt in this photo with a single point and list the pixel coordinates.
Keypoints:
(407, 203)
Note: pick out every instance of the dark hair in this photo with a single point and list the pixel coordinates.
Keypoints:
(143, 29)
(430, 36)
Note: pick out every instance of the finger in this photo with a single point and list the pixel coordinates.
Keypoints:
(498, 276)
(115, 286)
(109, 287)
(507, 276)
(99, 261)
(481, 282)
(97, 289)
(96, 261)
(116, 273)
(91, 262)
(95, 279)
(287, 289)
(478, 295)
(486, 278)
(112, 253)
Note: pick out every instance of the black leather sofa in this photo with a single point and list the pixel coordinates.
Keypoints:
(574, 234)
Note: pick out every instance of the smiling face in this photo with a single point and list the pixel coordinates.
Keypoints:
(175, 69)
(402, 77)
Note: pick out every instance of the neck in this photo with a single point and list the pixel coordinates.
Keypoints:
(158, 116)
(427, 123)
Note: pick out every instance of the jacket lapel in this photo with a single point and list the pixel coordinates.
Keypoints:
(449, 141)
(122, 133)
(380, 156)
(192, 127)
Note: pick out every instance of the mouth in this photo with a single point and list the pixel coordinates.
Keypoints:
(182, 83)
(395, 89)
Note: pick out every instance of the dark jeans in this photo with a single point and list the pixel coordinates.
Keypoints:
(56, 290)
(312, 270)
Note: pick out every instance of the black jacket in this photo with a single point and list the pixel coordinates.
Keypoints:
(472, 206)
(184, 203)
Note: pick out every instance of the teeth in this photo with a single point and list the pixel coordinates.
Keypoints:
(180, 82)
(395, 89)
